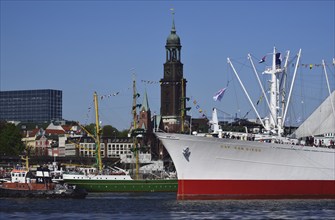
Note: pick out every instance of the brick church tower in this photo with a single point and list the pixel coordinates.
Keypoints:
(144, 120)
(173, 86)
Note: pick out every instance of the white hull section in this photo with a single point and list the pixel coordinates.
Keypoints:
(205, 158)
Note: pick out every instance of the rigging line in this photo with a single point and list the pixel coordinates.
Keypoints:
(330, 93)
(102, 97)
(302, 98)
(246, 114)
(224, 112)
(331, 70)
(241, 64)
(254, 57)
(235, 92)
(228, 81)
(286, 80)
(260, 96)
(88, 112)
(322, 83)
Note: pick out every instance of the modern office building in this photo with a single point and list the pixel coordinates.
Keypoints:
(31, 105)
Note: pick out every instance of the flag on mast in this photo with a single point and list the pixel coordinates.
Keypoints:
(262, 60)
(278, 59)
(219, 94)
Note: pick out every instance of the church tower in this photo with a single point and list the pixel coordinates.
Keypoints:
(173, 85)
(144, 120)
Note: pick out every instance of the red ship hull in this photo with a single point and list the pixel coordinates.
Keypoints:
(255, 189)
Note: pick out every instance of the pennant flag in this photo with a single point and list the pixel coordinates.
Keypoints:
(260, 100)
(262, 60)
(278, 59)
(219, 94)
(198, 107)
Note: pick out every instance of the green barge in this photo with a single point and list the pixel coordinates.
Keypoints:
(149, 185)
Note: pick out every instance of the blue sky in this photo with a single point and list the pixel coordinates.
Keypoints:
(84, 46)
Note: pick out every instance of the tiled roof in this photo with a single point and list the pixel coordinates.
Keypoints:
(33, 132)
(67, 128)
(53, 131)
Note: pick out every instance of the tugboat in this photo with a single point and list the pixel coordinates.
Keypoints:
(25, 184)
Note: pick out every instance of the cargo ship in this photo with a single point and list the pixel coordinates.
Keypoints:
(267, 166)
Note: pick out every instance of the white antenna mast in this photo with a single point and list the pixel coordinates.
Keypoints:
(291, 88)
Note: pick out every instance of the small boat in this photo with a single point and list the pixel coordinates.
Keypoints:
(26, 184)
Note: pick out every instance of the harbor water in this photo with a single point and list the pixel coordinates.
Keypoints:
(162, 206)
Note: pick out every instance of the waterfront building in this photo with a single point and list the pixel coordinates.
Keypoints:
(29, 139)
(110, 147)
(43, 145)
(50, 141)
(31, 105)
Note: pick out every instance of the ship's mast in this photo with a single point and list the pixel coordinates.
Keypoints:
(182, 107)
(273, 90)
(26, 159)
(277, 118)
(283, 85)
(275, 124)
(97, 132)
(135, 126)
(277, 105)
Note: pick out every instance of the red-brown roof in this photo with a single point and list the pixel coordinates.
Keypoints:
(66, 127)
(53, 131)
(32, 133)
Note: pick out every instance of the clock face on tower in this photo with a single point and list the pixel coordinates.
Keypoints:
(167, 72)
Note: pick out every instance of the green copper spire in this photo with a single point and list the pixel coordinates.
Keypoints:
(145, 104)
(173, 39)
(173, 30)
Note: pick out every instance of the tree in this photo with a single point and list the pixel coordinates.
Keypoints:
(124, 133)
(91, 129)
(10, 140)
(109, 131)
